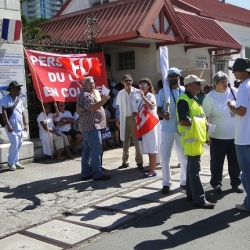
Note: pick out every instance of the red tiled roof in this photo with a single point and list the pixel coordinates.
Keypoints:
(201, 30)
(216, 9)
(141, 20)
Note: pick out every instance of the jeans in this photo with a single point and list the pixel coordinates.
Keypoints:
(194, 187)
(15, 139)
(91, 154)
(220, 148)
(243, 155)
(167, 142)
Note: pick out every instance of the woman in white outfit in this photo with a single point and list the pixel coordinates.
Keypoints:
(49, 135)
(149, 142)
(222, 139)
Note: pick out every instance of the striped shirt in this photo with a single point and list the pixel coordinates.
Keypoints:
(89, 120)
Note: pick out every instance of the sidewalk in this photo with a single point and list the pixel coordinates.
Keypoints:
(47, 206)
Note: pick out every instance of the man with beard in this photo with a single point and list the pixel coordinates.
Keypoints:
(169, 134)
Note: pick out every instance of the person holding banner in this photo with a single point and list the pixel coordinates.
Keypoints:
(92, 121)
(144, 103)
(127, 121)
(64, 124)
(15, 122)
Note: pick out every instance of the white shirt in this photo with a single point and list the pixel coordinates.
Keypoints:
(66, 127)
(242, 124)
(215, 107)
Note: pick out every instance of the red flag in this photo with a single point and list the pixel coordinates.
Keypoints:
(79, 68)
(145, 121)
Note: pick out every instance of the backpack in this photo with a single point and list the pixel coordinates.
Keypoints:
(9, 112)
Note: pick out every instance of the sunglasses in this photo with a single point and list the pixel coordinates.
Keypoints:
(141, 85)
(197, 83)
(61, 105)
(172, 76)
(127, 80)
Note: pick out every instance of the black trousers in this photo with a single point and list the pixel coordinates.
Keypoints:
(220, 148)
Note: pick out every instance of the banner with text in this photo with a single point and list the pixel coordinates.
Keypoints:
(57, 77)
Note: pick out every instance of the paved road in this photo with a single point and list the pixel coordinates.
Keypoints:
(47, 206)
(178, 225)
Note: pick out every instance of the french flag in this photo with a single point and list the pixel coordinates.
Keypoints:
(11, 29)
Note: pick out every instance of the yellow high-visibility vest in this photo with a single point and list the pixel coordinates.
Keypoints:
(192, 138)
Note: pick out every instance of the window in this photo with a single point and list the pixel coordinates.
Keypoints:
(126, 60)
(247, 52)
(98, 2)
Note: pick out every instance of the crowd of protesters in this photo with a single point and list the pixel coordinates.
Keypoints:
(219, 116)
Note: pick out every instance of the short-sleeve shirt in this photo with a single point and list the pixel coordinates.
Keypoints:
(67, 127)
(89, 120)
(242, 131)
(49, 121)
(169, 126)
(16, 119)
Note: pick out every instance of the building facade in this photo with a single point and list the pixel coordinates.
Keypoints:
(41, 8)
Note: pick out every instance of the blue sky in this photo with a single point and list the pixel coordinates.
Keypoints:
(241, 3)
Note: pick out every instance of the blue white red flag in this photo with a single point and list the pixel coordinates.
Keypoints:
(11, 29)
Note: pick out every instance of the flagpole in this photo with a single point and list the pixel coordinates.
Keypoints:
(164, 62)
(40, 94)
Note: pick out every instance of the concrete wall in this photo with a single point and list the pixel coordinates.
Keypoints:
(242, 35)
(147, 63)
(11, 9)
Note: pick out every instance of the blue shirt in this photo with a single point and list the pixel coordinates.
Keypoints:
(169, 126)
(16, 119)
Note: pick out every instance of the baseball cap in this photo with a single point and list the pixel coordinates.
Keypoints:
(241, 65)
(174, 71)
(13, 84)
(192, 78)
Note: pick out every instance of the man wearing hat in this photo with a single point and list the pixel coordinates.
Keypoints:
(15, 123)
(169, 133)
(192, 130)
(241, 71)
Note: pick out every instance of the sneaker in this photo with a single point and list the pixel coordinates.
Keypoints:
(165, 190)
(217, 189)
(19, 166)
(183, 186)
(102, 178)
(12, 167)
(242, 207)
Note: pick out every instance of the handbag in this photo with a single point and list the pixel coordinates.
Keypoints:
(9, 112)
(106, 134)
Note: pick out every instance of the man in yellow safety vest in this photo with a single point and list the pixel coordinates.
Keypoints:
(192, 127)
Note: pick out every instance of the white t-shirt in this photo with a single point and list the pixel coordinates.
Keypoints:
(215, 106)
(42, 118)
(66, 127)
(242, 124)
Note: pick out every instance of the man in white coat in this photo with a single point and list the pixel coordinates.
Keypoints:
(127, 121)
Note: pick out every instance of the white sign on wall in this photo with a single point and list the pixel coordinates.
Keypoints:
(202, 62)
(11, 69)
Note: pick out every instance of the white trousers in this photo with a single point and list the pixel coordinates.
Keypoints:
(167, 142)
(16, 141)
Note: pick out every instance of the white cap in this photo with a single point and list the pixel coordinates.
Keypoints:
(192, 78)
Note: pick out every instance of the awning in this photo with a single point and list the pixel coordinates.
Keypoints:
(140, 23)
